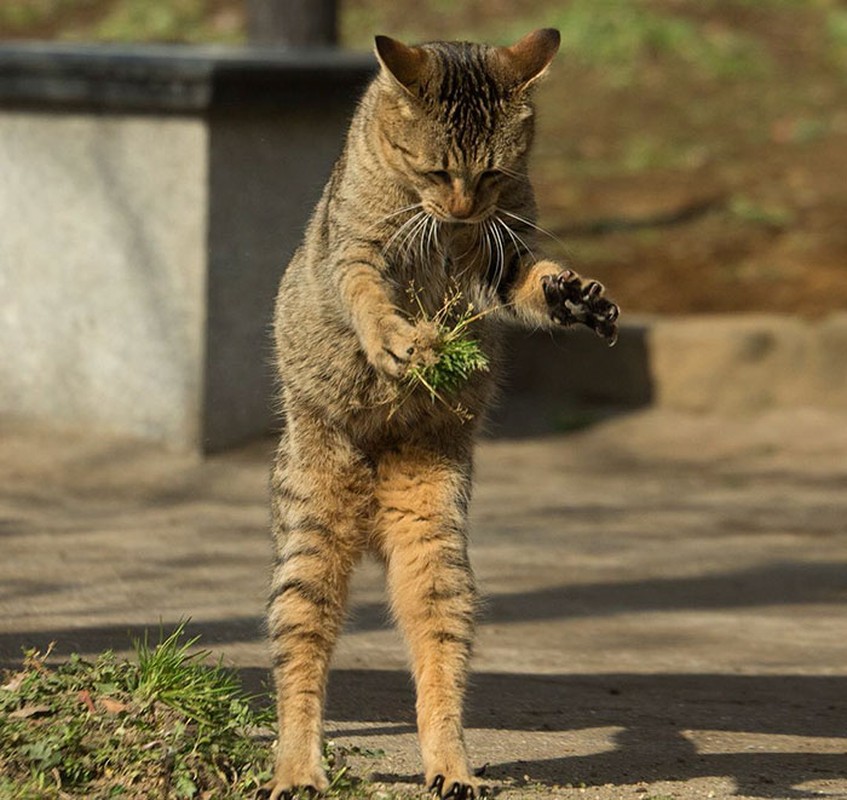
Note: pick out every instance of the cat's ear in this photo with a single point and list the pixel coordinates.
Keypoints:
(405, 64)
(527, 60)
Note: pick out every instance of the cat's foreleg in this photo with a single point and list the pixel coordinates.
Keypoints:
(544, 293)
(317, 488)
(391, 342)
(421, 524)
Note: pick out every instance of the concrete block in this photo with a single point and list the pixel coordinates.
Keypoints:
(828, 365)
(748, 363)
(103, 271)
(150, 199)
(558, 380)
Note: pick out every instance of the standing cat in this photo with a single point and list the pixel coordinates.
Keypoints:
(431, 191)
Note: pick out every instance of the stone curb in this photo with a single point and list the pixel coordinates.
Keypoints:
(726, 364)
(749, 363)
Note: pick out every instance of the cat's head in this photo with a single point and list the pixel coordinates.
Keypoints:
(455, 120)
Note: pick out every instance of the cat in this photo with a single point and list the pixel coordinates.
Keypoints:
(430, 192)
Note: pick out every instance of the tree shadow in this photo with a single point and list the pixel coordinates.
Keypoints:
(652, 715)
(776, 584)
(97, 638)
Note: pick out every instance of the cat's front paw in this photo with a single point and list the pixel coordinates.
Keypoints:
(572, 299)
(401, 345)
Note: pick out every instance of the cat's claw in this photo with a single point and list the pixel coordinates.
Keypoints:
(572, 300)
(457, 791)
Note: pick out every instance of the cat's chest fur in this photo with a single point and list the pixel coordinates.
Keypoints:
(456, 266)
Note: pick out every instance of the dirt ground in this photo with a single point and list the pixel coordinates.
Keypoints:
(665, 598)
(691, 155)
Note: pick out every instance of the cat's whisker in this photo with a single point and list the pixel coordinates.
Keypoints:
(403, 242)
(436, 238)
(485, 251)
(516, 239)
(399, 231)
(473, 247)
(531, 225)
(518, 176)
(422, 243)
(431, 242)
(398, 212)
(406, 225)
(501, 255)
(490, 253)
(420, 233)
(409, 241)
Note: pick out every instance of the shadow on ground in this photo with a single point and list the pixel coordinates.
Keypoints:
(651, 712)
(776, 584)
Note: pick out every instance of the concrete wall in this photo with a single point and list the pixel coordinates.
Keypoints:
(103, 270)
(267, 171)
(748, 363)
(149, 201)
(731, 364)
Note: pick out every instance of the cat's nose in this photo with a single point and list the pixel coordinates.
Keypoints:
(461, 206)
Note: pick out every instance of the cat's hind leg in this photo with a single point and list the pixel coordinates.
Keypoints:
(318, 488)
(421, 510)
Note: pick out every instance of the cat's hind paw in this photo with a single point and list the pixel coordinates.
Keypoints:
(455, 790)
(274, 791)
(571, 299)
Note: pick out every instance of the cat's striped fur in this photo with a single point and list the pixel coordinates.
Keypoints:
(431, 189)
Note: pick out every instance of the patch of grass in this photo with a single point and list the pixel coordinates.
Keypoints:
(747, 210)
(620, 38)
(164, 21)
(168, 725)
(124, 20)
(643, 152)
(768, 4)
(836, 30)
(616, 38)
(459, 355)
(21, 15)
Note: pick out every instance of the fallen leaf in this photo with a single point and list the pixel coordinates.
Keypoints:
(112, 706)
(84, 696)
(15, 682)
(31, 711)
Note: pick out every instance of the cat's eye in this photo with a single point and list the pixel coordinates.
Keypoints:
(490, 174)
(440, 175)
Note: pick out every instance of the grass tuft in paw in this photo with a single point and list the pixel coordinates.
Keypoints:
(459, 354)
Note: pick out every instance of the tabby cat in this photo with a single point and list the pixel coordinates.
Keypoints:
(430, 192)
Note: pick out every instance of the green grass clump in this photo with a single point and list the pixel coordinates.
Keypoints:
(459, 354)
(169, 725)
(621, 37)
(166, 21)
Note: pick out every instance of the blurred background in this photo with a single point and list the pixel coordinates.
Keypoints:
(691, 153)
